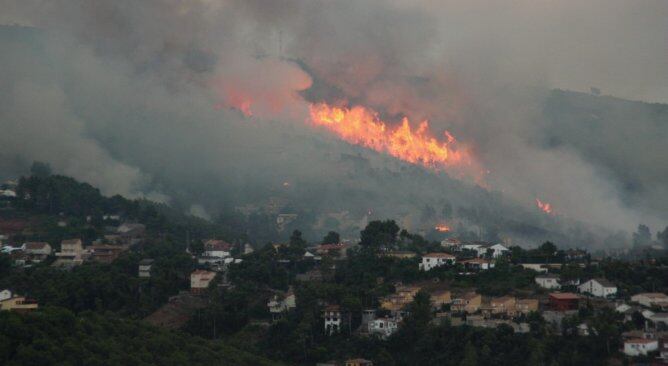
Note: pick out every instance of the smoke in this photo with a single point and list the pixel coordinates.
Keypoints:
(205, 98)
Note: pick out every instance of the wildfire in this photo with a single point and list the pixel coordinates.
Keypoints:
(362, 126)
(443, 228)
(544, 206)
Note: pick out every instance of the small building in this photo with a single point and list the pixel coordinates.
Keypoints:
(19, 304)
(282, 303)
(440, 298)
(106, 253)
(145, 266)
(640, 346)
(131, 233)
(525, 306)
(478, 264)
(660, 320)
(598, 287)
(383, 327)
(71, 249)
(358, 362)
(5, 294)
(71, 253)
(217, 249)
(548, 281)
(338, 250)
(332, 315)
(433, 260)
(451, 243)
(564, 301)
(496, 250)
(650, 299)
(38, 251)
(200, 280)
(504, 305)
(468, 303)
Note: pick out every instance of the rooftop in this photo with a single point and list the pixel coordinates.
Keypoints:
(564, 296)
(640, 341)
(439, 255)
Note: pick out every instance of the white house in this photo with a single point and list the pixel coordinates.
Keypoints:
(5, 294)
(598, 287)
(37, 250)
(383, 327)
(549, 281)
(497, 250)
(640, 346)
(476, 247)
(144, 269)
(280, 304)
(433, 260)
(332, 314)
(217, 249)
(650, 299)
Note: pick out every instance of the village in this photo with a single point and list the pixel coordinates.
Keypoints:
(560, 288)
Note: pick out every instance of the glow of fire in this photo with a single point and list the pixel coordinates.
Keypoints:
(362, 126)
(443, 228)
(544, 206)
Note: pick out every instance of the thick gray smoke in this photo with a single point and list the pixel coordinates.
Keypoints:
(154, 97)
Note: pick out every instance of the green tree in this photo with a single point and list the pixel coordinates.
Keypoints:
(379, 233)
(332, 237)
(470, 355)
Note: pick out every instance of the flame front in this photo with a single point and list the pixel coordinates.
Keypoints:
(362, 126)
(443, 228)
(544, 206)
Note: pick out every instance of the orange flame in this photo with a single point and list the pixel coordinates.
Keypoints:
(544, 206)
(443, 228)
(362, 126)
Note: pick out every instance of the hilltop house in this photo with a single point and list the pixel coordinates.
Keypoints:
(440, 298)
(144, 269)
(451, 243)
(478, 264)
(564, 301)
(71, 252)
(10, 302)
(332, 315)
(37, 251)
(217, 249)
(505, 305)
(131, 233)
(383, 327)
(598, 287)
(650, 299)
(281, 303)
(106, 253)
(525, 306)
(433, 260)
(468, 303)
(200, 280)
(548, 281)
(640, 346)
